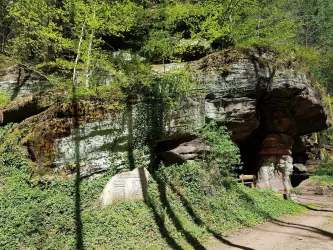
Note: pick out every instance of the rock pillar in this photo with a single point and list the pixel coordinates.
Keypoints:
(276, 163)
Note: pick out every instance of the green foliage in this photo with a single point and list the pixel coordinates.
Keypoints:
(186, 27)
(315, 34)
(161, 45)
(325, 168)
(296, 191)
(51, 36)
(183, 201)
(220, 205)
(4, 99)
(326, 180)
(223, 152)
(324, 173)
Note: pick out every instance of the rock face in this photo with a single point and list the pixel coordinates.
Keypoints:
(252, 93)
(183, 151)
(300, 168)
(274, 172)
(127, 186)
(276, 163)
(265, 105)
(20, 82)
(31, 105)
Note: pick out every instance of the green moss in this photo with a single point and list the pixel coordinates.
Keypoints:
(43, 129)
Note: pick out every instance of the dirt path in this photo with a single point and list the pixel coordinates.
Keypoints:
(312, 230)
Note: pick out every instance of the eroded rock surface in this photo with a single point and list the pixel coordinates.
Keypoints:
(276, 163)
(249, 93)
(126, 186)
(18, 82)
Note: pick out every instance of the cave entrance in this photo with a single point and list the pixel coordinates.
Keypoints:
(249, 150)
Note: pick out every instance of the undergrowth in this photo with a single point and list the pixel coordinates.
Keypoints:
(324, 173)
(186, 205)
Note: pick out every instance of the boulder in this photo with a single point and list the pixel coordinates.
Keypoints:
(324, 190)
(125, 187)
(300, 168)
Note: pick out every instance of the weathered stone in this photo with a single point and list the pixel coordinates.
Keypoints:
(31, 105)
(275, 166)
(275, 172)
(300, 168)
(97, 146)
(280, 141)
(240, 90)
(324, 190)
(275, 151)
(104, 144)
(126, 186)
(19, 82)
(238, 114)
(182, 151)
(188, 149)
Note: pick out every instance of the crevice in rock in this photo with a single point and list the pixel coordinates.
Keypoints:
(17, 116)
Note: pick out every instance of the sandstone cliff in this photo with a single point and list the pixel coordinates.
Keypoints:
(265, 104)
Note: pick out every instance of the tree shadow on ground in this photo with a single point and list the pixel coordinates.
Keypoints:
(77, 182)
(265, 214)
(292, 225)
(303, 227)
(315, 209)
(200, 222)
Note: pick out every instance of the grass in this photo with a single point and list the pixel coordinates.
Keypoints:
(296, 191)
(324, 180)
(324, 174)
(185, 206)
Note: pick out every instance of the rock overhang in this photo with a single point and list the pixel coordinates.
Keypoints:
(244, 93)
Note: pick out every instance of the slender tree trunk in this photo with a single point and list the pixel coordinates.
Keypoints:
(78, 52)
(89, 49)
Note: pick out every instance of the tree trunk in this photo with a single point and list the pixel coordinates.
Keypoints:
(78, 52)
(89, 49)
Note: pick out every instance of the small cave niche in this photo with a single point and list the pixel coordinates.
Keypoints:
(299, 150)
(300, 156)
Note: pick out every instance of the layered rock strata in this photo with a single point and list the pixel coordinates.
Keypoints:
(254, 96)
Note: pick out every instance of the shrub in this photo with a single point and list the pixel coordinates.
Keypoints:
(325, 168)
(223, 152)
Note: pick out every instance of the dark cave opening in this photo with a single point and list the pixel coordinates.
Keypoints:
(249, 150)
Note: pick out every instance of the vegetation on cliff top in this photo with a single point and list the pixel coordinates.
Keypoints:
(99, 39)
